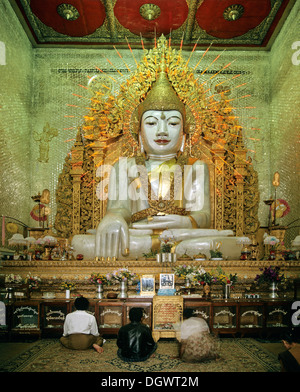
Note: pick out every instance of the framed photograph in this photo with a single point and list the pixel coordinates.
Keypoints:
(166, 281)
(147, 284)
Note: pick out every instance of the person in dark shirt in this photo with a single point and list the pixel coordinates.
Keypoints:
(290, 359)
(135, 342)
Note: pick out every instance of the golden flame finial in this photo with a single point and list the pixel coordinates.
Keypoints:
(276, 179)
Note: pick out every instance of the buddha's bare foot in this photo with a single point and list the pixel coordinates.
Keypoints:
(98, 348)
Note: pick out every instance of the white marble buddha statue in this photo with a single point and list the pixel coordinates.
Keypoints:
(160, 190)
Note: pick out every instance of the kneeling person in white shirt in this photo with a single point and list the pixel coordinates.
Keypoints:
(80, 328)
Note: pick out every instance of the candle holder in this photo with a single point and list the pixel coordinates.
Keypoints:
(166, 259)
(269, 203)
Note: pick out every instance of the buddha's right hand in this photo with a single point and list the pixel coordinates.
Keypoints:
(112, 236)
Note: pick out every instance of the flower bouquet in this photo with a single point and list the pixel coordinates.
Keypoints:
(272, 245)
(205, 277)
(124, 275)
(272, 277)
(167, 241)
(68, 286)
(216, 254)
(12, 279)
(187, 272)
(269, 275)
(32, 282)
(224, 278)
(151, 255)
(100, 279)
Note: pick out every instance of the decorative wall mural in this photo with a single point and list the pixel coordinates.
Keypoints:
(44, 138)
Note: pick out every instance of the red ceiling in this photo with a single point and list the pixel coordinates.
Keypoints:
(103, 22)
(210, 17)
(173, 14)
(92, 15)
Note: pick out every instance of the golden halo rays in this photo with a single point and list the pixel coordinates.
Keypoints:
(212, 118)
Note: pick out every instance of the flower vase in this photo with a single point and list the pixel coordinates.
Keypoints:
(68, 294)
(188, 286)
(123, 288)
(187, 283)
(273, 288)
(164, 257)
(172, 257)
(226, 290)
(10, 293)
(99, 291)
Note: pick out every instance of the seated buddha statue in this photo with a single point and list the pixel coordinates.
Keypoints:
(159, 191)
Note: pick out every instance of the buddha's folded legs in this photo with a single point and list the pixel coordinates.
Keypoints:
(144, 243)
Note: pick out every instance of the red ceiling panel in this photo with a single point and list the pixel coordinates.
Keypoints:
(210, 17)
(173, 13)
(91, 16)
(106, 22)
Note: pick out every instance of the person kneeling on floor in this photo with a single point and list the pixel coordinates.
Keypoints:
(197, 343)
(135, 339)
(80, 328)
(290, 358)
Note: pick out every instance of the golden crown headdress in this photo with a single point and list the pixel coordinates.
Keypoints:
(162, 95)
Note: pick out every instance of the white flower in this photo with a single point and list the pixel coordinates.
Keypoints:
(270, 240)
(201, 271)
(11, 278)
(243, 241)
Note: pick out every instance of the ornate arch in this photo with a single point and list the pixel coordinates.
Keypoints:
(110, 130)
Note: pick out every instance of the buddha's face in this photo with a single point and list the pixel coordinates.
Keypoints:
(162, 132)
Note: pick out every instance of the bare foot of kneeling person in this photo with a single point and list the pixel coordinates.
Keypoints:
(98, 348)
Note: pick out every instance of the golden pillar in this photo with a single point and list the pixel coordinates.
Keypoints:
(76, 174)
(98, 205)
(239, 172)
(218, 159)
